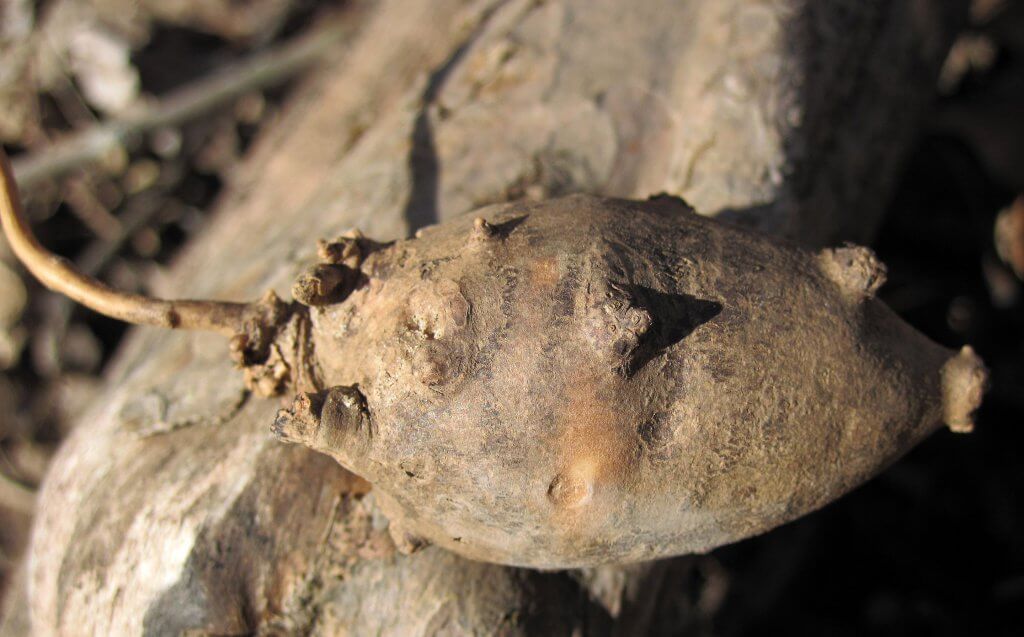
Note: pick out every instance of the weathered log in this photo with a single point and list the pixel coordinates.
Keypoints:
(170, 507)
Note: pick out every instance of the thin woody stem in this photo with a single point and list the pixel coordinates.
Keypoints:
(59, 275)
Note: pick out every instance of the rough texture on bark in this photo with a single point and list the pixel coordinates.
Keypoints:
(171, 507)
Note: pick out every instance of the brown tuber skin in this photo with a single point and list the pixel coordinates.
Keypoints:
(588, 381)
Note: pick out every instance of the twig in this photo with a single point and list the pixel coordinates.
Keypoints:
(90, 210)
(260, 71)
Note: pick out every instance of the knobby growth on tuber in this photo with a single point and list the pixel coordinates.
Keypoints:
(579, 381)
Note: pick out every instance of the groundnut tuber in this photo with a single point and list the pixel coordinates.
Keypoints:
(588, 380)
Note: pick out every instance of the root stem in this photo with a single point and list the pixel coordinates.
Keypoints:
(59, 275)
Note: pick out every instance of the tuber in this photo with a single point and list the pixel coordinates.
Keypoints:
(583, 380)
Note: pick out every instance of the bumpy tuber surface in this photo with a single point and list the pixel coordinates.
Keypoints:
(587, 380)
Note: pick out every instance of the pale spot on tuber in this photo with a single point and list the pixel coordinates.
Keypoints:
(570, 490)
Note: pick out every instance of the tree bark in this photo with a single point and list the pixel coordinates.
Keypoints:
(171, 509)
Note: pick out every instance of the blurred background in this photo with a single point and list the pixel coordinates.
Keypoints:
(935, 546)
(123, 209)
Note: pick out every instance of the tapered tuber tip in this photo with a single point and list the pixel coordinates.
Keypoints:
(964, 381)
